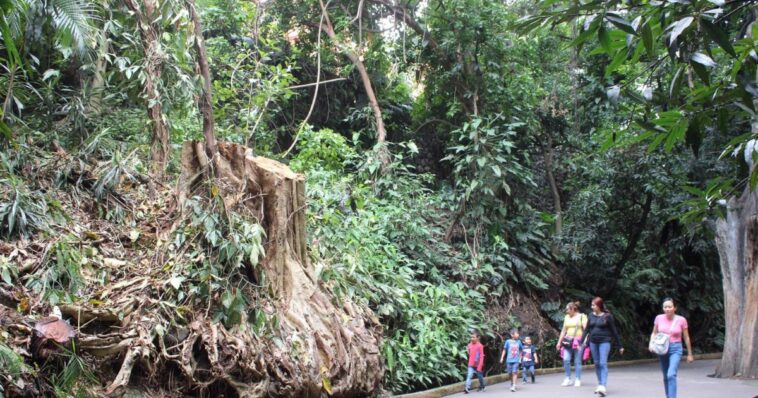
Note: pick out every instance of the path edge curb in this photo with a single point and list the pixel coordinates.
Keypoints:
(458, 387)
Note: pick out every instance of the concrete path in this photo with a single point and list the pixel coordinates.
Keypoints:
(636, 381)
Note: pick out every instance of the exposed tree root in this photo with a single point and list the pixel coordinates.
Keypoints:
(129, 331)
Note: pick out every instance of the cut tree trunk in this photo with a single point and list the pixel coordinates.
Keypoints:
(328, 348)
(150, 36)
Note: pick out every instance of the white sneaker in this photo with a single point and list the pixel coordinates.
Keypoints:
(513, 387)
(601, 391)
(596, 390)
(566, 382)
(577, 383)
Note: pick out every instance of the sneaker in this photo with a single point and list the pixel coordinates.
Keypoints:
(513, 387)
(466, 390)
(577, 383)
(566, 382)
(601, 391)
(480, 389)
(523, 380)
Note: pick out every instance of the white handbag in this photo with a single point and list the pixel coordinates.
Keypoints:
(659, 344)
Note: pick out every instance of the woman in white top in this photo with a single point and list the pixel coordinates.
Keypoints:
(573, 325)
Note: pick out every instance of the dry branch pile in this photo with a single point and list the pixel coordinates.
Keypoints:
(150, 303)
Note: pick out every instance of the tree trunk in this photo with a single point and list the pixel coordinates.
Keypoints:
(548, 150)
(356, 59)
(737, 243)
(98, 79)
(150, 35)
(338, 345)
(206, 101)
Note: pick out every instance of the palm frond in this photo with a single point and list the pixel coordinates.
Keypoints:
(72, 19)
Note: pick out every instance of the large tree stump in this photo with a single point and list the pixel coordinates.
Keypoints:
(327, 349)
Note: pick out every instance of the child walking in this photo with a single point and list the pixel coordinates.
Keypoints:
(512, 356)
(475, 362)
(528, 358)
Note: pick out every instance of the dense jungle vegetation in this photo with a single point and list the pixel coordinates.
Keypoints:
(468, 164)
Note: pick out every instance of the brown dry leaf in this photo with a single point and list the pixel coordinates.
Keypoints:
(23, 305)
(113, 262)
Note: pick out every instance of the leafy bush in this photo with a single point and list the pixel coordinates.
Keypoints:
(11, 367)
(322, 149)
(222, 245)
(380, 242)
(22, 211)
(60, 279)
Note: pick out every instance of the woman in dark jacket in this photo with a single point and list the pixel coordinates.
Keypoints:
(600, 329)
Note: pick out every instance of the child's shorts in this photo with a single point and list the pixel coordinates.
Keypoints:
(511, 367)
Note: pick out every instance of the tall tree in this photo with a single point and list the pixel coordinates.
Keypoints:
(357, 60)
(206, 98)
(147, 17)
(689, 69)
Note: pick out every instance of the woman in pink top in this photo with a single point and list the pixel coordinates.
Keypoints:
(676, 327)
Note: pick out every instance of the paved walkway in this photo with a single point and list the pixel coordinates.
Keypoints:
(637, 381)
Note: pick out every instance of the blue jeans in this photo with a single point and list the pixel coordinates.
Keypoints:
(470, 374)
(600, 353)
(577, 354)
(528, 369)
(669, 366)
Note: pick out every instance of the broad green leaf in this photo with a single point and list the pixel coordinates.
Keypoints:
(618, 59)
(620, 23)
(10, 44)
(676, 134)
(717, 35)
(656, 142)
(583, 37)
(694, 135)
(647, 39)
(702, 72)
(637, 53)
(678, 27)
(605, 39)
(6, 130)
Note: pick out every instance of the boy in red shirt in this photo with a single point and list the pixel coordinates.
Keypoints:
(475, 362)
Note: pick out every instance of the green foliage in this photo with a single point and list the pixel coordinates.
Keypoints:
(222, 244)
(12, 367)
(75, 377)
(652, 48)
(61, 278)
(323, 149)
(484, 161)
(384, 250)
(11, 363)
(252, 75)
(22, 211)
